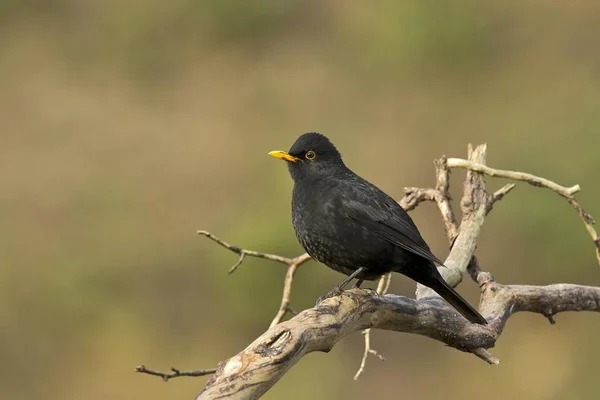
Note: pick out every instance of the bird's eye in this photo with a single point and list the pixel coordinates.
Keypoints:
(310, 155)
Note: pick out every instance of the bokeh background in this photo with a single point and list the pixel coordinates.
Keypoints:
(125, 126)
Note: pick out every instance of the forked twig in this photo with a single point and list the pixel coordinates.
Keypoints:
(566, 192)
(175, 373)
(382, 288)
(514, 175)
(285, 306)
(292, 263)
(243, 252)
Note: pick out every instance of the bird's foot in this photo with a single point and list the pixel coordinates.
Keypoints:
(371, 291)
(340, 292)
(335, 292)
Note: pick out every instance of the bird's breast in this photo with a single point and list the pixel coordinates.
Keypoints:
(331, 237)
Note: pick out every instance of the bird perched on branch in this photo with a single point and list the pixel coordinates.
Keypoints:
(355, 228)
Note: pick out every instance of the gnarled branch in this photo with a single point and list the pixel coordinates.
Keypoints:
(254, 370)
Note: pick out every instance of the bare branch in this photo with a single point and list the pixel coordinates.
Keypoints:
(368, 350)
(287, 289)
(254, 370)
(175, 373)
(382, 288)
(486, 356)
(499, 195)
(588, 221)
(238, 263)
(267, 359)
(243, 253)
(292, 263)
(442, 173)
(565, 192)
(518, 176)
(414, 196)
(475, 272)
(474, 206)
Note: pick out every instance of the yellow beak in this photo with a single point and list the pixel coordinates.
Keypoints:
(282, 155)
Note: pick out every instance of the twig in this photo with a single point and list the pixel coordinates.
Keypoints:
(243, 252)
(588, 221)
(368, 350)
(566, 192)
(499, 195)
(382, 288)
(292, 263)
(238, 263)
(518, 176)
(291, 310)
(442, 173)
(175, 373)
(414, 196)
(287, 289)
(387, 279)
(486, 356)
(476, 273)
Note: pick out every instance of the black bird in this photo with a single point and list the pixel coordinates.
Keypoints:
(353, 227)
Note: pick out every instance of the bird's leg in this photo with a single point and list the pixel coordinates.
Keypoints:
(370, 290)
(340, 288)
(353, 275)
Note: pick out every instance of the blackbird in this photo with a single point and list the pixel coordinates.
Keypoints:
(353, 227)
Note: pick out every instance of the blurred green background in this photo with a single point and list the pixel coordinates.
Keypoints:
(125, 126)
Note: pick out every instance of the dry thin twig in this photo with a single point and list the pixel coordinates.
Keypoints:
(515, 175)
(382, 288)
(285, 307)
(499, 195)
(292, 263)
(589, 222)
(440, 195)
(243, 253)
(566, 192)
(442, 173)
(175, 373)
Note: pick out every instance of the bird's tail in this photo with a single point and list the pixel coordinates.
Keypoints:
(460, 304)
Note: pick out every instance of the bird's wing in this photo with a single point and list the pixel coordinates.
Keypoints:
(391, 224)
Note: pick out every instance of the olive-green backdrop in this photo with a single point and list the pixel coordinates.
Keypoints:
(125, 126)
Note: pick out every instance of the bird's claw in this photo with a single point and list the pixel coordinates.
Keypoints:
(333, 293)
(340, 292)
(371, 291)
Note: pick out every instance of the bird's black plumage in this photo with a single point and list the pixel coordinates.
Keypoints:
(355, 228)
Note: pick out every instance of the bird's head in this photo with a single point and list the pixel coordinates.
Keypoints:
(311, 155)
